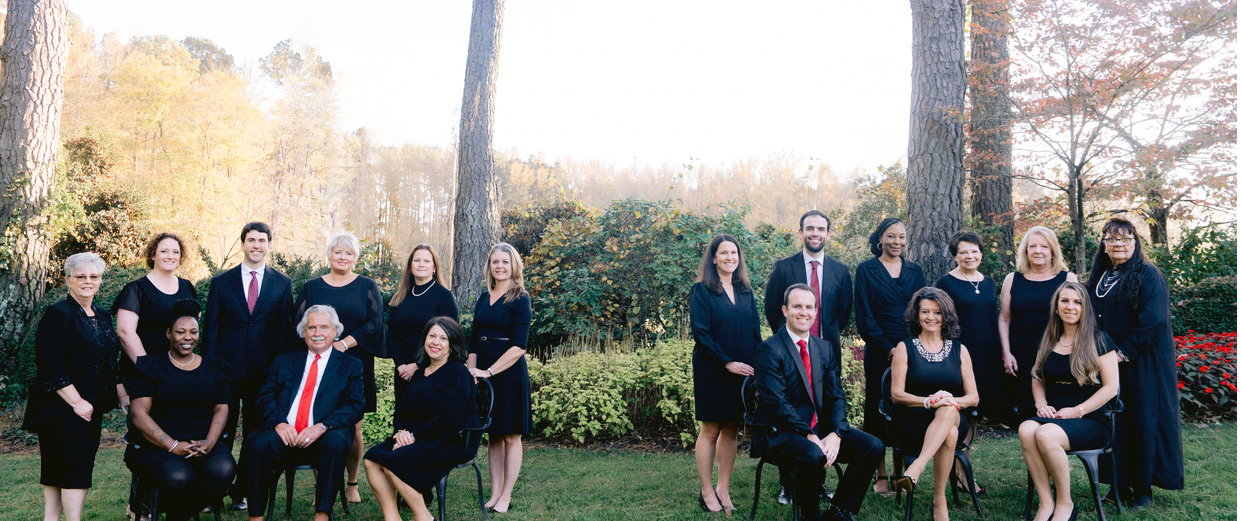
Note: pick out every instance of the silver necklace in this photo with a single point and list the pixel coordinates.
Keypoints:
(179, 364)
(933, 357)
(424, 292)
(975, 284)
(1107, 282)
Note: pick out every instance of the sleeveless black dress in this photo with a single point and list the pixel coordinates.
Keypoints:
(1092, 431)
(925, 377)
(1029, 307)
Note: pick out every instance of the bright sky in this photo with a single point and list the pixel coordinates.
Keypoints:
(641, 81)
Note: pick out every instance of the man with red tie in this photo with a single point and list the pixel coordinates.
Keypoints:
(310, 404)
(799, 394)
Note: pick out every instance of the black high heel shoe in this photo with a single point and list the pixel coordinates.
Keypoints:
(703, 503)
(1073, 514)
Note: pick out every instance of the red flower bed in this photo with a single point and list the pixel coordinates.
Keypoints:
(1206, 367)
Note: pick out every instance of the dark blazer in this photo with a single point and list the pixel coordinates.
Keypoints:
(784, 396)
(338, 401)
(68, 351)
(835, 295)
(248, 342)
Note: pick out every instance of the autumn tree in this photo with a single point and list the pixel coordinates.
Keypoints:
(33, 54)
(476, 221)
(989, 160)
(936, 172)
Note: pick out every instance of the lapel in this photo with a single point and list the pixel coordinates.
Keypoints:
(265, 289)
(234, 277)
(795, 353)
(798, 263)
(333, 363)
(816, 361)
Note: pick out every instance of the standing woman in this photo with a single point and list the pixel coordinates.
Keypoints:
(144, 307)
(724, 319)
(1131, 302)
(1074, 380)
(420, 296)
(75, 383)
(360, 306)
(1025, 300)
(498, 352)
(885, 284)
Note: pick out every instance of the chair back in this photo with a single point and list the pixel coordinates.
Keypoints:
(749, 401)
(885, 402)
(473, 436)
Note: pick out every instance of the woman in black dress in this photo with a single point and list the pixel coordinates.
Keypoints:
(1131, 303)
(498, 352)
(143, 309)
(884, 286)
(1025, 303)
(180, 406)
(1074, 380)
(420, 296)
(75, 384)
(436, 405)
(359, 304)
(932, 380)
(724, 320)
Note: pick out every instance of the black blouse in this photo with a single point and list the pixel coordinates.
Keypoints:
(881, 301)
(503, 319)
(72, 348)
(359, 304)
(154, 310)
(182, 402)
(407, 320)
(435, 407)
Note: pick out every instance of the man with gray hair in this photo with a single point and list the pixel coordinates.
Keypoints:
(309, 405)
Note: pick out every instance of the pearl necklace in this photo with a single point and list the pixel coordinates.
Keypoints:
(424, 292)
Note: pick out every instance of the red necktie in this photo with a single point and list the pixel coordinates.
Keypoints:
(308, 394)
(805, 361)
(252, 294)
(814, 288)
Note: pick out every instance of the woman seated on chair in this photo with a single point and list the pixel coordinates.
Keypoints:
(437, 403)
(932, 381)
(180, 405)
(1075, 379)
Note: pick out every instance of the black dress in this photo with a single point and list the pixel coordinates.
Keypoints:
(1062, 390)
(360, 307)
(927, 374)
(979, 319)
(154, 310)
(71, 348)
(723, 332)
(434, 408)
(880, 302)
(1029, 308)
(497, 328)
(407, 320)
(1148, 432)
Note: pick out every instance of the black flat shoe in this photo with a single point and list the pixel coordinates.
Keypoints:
(1141, 501)
(905, 483)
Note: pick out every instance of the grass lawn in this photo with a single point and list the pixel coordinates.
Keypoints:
(579, 484)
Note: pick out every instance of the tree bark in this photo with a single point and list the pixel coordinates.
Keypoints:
(33, 55)
(990, 159)
(936, 174)
(476, 219)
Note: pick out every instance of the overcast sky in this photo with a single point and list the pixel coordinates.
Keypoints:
(642, 81)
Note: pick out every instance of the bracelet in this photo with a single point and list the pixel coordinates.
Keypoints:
(1043, 402)
(489, 373)
(1080, 412)
(174, 446)
(926, 402)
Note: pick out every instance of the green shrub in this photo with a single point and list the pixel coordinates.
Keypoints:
(1210, 305)
(377, 426)
(1205, 252)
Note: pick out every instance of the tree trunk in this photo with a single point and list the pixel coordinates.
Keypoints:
(36, 44)
(1077, 218)
(990, 160)
(936, 172)
(476, 219)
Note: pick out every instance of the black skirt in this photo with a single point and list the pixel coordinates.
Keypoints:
(67, 447)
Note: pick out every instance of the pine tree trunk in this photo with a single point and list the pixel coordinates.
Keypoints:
(476, 219)
(990, 160)
(936, 135)
(36, 44)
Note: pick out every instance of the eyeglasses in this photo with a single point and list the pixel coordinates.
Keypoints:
(1123, 241)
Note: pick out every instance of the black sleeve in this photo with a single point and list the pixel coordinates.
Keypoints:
(299, 309)
(844, 302)
(833, 395)
(773, 296)
(449, 407)
(130, 299)
(266, 398)
(221, 382)
(1103, 343)
(51, 341)
(369, 334)
(394, 348)
(867, 326)
(351, 408)
(772, 396)
(447, 307)
(142, 381)
(474, 324)
(700, 325)
(1153, 317)
(286, 322)
(522, 315)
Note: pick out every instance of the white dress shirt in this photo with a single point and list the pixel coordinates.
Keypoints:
(291, 417)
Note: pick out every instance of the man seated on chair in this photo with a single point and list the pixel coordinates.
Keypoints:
(310, 404)
(799, 394)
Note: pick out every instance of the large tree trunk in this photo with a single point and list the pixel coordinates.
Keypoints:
(476, 219)
(36, 44)
(990, 161)
(1076, 197)
(936, 135)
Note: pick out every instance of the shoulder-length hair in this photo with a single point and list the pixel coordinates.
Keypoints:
(950, 328)
(516, 285)
(406, 285)
(875, 248)
(1084, 360)
(707, 273)
(457, 351)
(1057, 257)
(1128, 286)
(345, 239)
(153, 246)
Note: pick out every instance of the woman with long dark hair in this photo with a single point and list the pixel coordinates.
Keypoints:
(421, 295)
(1131, 302)
(724, 322)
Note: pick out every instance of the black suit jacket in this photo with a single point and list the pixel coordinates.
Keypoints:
(248, 342)
(835, 295)
(784, 396)
(338, 401)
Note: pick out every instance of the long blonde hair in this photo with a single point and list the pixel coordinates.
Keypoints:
(1057, 257)
(1084, 360)
(516, 284)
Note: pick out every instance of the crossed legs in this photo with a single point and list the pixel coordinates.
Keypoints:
(939, 443)
(503, 465)
(1043, 446)
(386, 486)
(717, 442)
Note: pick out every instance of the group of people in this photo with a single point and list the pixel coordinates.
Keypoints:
(1047, 355)
(295, 374)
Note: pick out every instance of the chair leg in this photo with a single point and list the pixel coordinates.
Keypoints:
(1029, 496)
(1091, 462)
(440, 489)
(758, 483)
(964, 461)
(909, 506)
(478, 474)
(1120, 508)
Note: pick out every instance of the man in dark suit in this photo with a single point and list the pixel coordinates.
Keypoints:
(835, 295)
(309, 406)
(247, 322)
(800, 396)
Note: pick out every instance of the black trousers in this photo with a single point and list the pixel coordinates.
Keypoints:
(266, 454)
(243, 412)
(859, 452)
(188, 485)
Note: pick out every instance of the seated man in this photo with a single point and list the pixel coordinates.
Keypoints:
(309, 405)
(799, 395)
